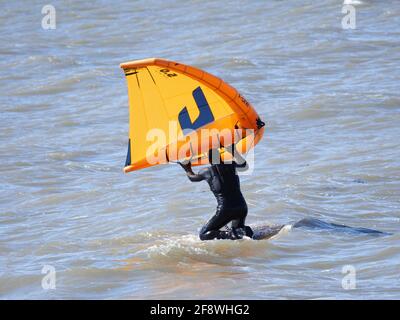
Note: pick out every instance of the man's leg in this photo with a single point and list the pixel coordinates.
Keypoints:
(211, 230)
(238, 225)
(223, 217)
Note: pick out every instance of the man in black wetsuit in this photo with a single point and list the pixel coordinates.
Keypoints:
(224, 183)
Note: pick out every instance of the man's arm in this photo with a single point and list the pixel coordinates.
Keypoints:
(190, 174)
(240, 161)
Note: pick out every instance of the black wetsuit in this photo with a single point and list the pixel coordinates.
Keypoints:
(224, 183)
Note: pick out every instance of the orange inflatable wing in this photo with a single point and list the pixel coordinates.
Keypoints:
(178, 112)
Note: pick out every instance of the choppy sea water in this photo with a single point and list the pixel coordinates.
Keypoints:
(331, 151)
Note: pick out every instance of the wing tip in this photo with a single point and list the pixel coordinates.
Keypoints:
(144, 63)
(128, 169)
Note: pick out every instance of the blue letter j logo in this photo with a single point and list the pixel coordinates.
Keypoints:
(204, 117)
